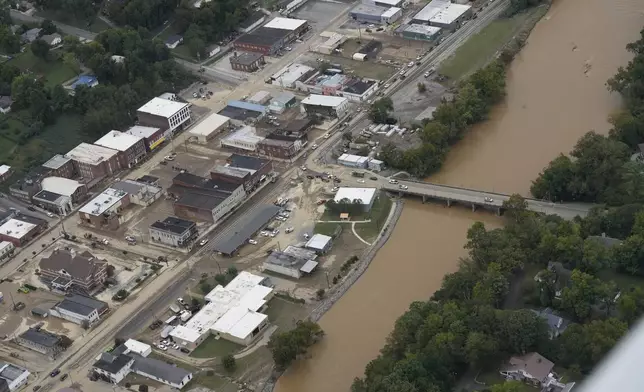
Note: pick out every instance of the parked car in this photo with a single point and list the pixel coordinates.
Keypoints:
(49, 214)
(30, 208)
(54, 373)
(203, 242)
(64, 377)
(185, 350)
(374, 178)
(289, 230)
(252, 242)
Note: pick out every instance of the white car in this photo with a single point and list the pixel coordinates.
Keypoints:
(387, 85)
(289, 230)
(303, 168)
(327, 135)
(49, 214)
(288, 48)
(306, 236)
(361, 181)
(276, 231)
(203, 242)
(403, 187)
(411, 64)
(488, 199)
(313, 147)
(264, 233)
(335, 189)
(168, 158)
(252, 242)
(105, 241)
(393, 181)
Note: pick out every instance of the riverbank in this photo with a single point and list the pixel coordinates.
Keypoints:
(339, 290)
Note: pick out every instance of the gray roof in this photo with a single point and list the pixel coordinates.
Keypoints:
(284, 98)
(285, 260)
(534, 363)
(232, 239)
(79, 266)
(112, 363)
(555, 323)
(56, 162)
(80, 304)
(129, 186)
(159, 369)
(49, 38)
(245, 58)
(173, 225)
(40, 337)
(5, 101)
(11, 371)
(608, 242)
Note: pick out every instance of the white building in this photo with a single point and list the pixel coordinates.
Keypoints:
(351, 160)
(391, 15)
(286, 24)
(6, 250)
(79, 309)
(15, 376)
(105, 208)
(287, 76)
(232, 312)
(164, 113)
(209, 127)
(140, 193)
(245, 139)
(289, 264)
(5, 171)
(375, 165)
(17, 232)
(319, 243)
(384, 3)
(137, 347)
(325, 105)
(334, 40)
(366, 196)
(260, 97)
(443, 14)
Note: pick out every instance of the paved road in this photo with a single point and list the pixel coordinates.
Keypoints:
(478, 198)
(67, 29)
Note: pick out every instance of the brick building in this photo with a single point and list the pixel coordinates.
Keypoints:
(131, 149)
(60, 166)
(104, 211)
(94, 162)
(247, 61)
(169, 115)
(67, 270)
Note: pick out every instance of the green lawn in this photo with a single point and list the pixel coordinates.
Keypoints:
(325, 228)
(212, 348)
(53, 71)
(378, 215)
(284, 313)
(623, 281)
(213, 382)
(482, 47)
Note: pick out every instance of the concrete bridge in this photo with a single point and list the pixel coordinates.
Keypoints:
(481, 199)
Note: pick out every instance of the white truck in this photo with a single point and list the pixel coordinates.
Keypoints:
(174, 308)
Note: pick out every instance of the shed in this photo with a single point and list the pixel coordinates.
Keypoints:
(319, 243)
(260, 97)
(138, 347)
(39, 312)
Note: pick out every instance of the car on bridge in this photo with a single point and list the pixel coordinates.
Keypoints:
(403, 187)
(488, 199)
(392, 181)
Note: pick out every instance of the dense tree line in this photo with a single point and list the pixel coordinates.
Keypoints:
(209, 23)
(147, 71)
(149, 14)
(517, 6)
(471, 104)
(600, 169)
(465, 325)
(287, 346)
(81, 9)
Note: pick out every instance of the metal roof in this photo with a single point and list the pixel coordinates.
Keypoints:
(232, 239)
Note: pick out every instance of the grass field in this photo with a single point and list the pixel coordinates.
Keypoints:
(482, 47)
(212, 348)
(52, 71)
(378, 215)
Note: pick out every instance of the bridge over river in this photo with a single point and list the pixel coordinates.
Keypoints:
(482, 199)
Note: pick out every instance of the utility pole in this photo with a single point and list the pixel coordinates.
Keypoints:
(327, 279)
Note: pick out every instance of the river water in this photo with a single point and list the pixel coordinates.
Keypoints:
(555, 93)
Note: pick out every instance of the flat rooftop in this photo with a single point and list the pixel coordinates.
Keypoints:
(245, 58)
(285, 23)
(420, 29)
(264, 36)
(209, 124)
(56, 162)
(430, 10)
(239, 113)
(231, 171)
(231, 240)
(368, 9)
(449, 14)
(61, 185)
(241, 137)
(141, 131)
(324, 100)
(365, 195)
(16, 228)
(91, 154)
(118, 141)
(103, 202)
(162, 107)
(173, 225)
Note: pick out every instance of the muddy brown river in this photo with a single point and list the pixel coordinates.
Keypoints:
(555, 93)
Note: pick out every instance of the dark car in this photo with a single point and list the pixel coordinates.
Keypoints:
(37, 387)
(310, 177)
(337, 180)
(373, 178)
(185, 350)
(64, 377)
(30, 208)
(54, 373)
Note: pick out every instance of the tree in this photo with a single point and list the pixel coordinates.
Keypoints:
(205, 287)
(516, 207)
(480, 348)
(228, 362)
(379, 110)
(595, 256)
(9, 42)
(508, 386)
(581, 295)
(70, 60)
(143, 388)
(421, 87)
(554, 182)
(40, 48)
(48, 27)
(286, 346)
(320, 294)
(584, 345)
(630, 305)
(493, 286)
(629, 256)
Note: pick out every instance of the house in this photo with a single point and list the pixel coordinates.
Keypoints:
(79, 309)
(52, 39)
(67, 270)
(31, 35)
(532, 368)
(85, 80)
(42, 341)
(247, 61)
(26, 187)
(132, 357)
(173, 41)
(59, 195)
(174, 232)
(282, 101)
(5, 104)
(5, 172)
(13, 376)
(556, 324)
